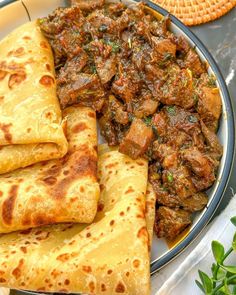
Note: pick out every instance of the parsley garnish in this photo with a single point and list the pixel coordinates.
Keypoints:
(211, 81)
(170, 177)
(147, 120)
(114, 45)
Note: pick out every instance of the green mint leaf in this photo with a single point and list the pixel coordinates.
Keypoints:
(218, 251)
(222, 292)
(234, 238)
(221, 274)
(226, 287)
(233, 220)
(234, 242)
(213, 268)
(229, 268)
(206, 282)
(200, 286)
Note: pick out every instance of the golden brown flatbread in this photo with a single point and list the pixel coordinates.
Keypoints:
(110, 256)
(61, 190)
(31, 128)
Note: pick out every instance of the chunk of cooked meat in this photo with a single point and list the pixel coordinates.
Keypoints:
(170, 223)
(127, 82)
(178, 88)
(100, 23)
(106, 68)
(116, 9)
(151, 73)
(166, 154)
(87, 5)
(86, 88)
(178, 181)
(137, 140)
(60, 19)
(160, 27)
(63, 28)
(209, 103)
(160, 122)
(193, 62)
(117, 111)
(153, 95)
(198, 163)
(182, 120)
(214, 147)
(145, 108)
(182, 44)
(124, 88)
(72, 68)
(108, 131)
(193, 203)
(140, 54)
(163, 47)
(196, 202)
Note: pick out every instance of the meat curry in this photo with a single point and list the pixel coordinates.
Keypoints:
(153, 97)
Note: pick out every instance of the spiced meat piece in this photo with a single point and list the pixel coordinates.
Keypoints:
(137, 140)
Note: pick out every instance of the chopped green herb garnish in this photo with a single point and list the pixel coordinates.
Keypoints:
(211, 81)
(192, 119)
(147, 120)
(93, 69)
(170, 177)
(115, 46)
(165, 189)
(168, 56)
(171, 110)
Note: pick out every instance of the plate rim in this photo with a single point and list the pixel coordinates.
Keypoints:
(230, 152)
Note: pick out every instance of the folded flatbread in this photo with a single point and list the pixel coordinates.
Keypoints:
(110, 256)
(150, 211)
(30, 118)
(61, 190)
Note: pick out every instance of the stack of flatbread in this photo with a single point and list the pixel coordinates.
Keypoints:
(74, 217)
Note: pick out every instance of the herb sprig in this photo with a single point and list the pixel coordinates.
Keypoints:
(223, 278)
